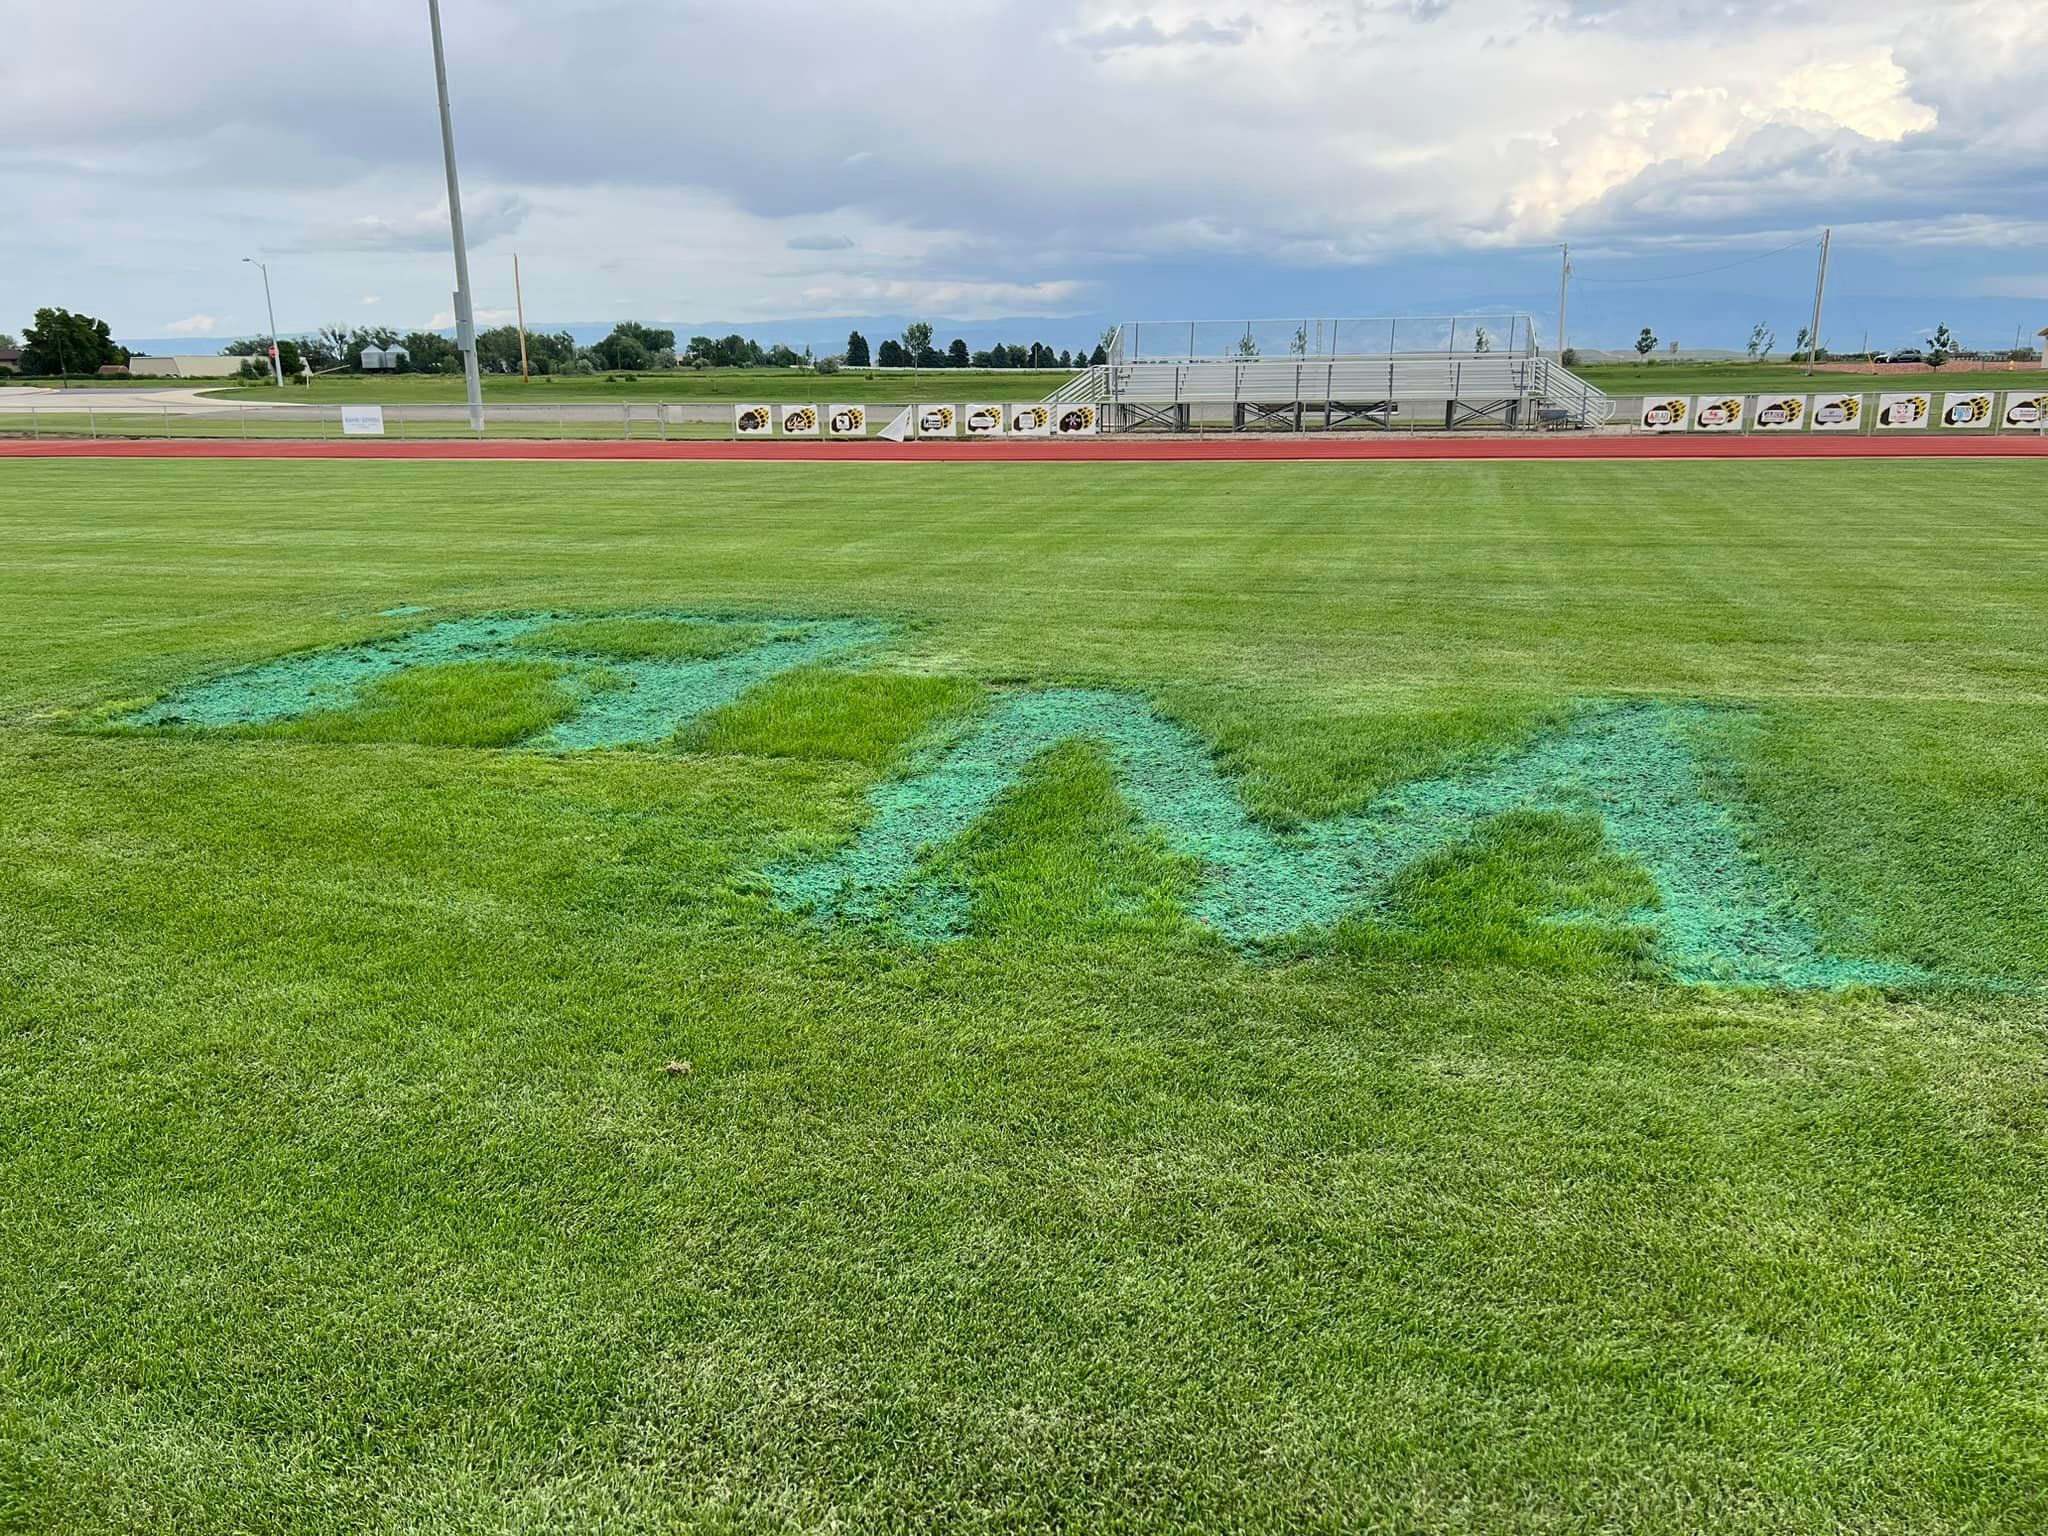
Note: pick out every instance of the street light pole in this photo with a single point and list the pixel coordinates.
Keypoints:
(276, 357)
(465, 314)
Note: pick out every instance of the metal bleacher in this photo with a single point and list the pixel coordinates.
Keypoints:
(1440, 372)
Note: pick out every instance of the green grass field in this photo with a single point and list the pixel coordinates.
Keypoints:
(1749, 378)
(773, 386)
(343, 1186)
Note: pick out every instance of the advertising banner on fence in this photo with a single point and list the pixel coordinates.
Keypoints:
(362, 421)
(1666, 415)
(1780, 413)
(1838, 413)
(846, 420)
(1718, 413)
(937, 420)
(1908, 412)
(1075, 421)
(1031, 420)
(752, 421)
(984, 421)
(799, 421)
(1967, 411)
(2024, 413)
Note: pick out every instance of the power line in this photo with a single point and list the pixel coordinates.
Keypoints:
(1679, 277)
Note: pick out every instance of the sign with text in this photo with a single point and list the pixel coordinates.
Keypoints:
(1968, 412)
(362, 421)
(2025, 413)
(984, 421)
(1667, 415)
(799, 421)
(937, 420)
(1780, 413)
(1904, 412)
(1837, 413)
(1031, 420)
(846, 420)
(1718, 413)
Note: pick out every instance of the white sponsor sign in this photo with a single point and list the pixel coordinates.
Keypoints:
(1969, 412)
(752, 420)
(2025, 413)
(846, 420)
(799, 421)
(362, 421)
(1667, 415)
(1904, 412)
(1837, 413)
(1717, 413)
(1781, 413)
(937, 420)
(1079, 420)
(983, 420)
(1031, 420)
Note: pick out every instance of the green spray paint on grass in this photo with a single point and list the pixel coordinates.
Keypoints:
(654, 694)
(1720, 918)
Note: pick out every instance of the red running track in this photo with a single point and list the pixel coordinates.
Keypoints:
(1078, 451)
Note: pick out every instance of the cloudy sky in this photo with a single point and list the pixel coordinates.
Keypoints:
(1061, 159)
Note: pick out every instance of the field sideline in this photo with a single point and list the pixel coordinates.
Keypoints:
(345, 1188)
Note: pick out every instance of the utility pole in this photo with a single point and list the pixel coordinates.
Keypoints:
(465, 313)
(1820, 289)
(276, 357)
(1564, 278)
(519, 303)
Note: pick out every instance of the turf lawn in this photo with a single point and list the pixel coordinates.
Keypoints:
(770, 385)
(1752, 378)
(342, 1187)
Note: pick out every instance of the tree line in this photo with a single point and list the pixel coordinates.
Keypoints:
(60, 342)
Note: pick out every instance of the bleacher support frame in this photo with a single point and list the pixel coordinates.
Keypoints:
(1423, 376)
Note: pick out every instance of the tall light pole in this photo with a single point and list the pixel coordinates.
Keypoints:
(465, 315)
(276, 358)
(1564, 278)
(1820, 289)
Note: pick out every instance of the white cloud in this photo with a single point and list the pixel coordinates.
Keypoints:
(1114, 141)
(369, 299)
(192, 325)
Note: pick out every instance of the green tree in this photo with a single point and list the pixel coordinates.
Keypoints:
(1942, 348)
(956, 354)
(1646, 343)
(1482, 339)
(7, 342)
(890, 355)
(431, 352)
(257, 350)
(632, 346)
(497, 350)
(551, 351)
(1247, 348)
(917, 340)
(63, 343)
(856, 350)
(1761, 339)
(1098, 357)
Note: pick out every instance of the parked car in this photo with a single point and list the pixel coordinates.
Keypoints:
(1903, 355)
